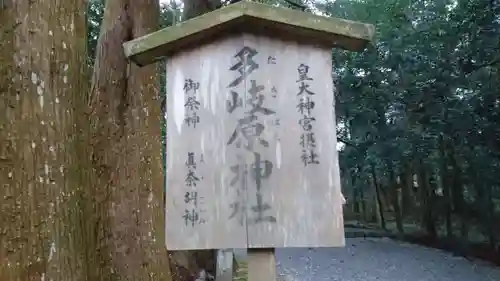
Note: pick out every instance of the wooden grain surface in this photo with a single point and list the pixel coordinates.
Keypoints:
(305, 207)
(261, 265)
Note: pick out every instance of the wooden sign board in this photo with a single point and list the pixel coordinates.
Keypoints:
(251, 147)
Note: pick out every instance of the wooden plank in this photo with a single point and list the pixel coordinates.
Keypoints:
(306, 199)
(204, 67)
(261, 265)
(224, 271)
(251, 17)
(256, 190)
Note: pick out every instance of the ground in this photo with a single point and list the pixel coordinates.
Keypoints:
(369, 259)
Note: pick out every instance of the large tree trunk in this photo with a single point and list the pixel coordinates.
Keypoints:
(42, 98)
(107, 102)
(144, 147)
(126, 118)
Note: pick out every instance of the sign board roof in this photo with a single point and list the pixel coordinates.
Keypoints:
(249, 17)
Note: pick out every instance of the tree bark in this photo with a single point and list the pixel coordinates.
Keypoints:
(355, 197)
(107, 104)
(144, 145)
(41, 104)
(126, 141)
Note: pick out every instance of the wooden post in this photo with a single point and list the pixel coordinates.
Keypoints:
(224, 269)
(261, 264)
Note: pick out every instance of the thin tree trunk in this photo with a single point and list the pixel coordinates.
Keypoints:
(355, 195)
(445, 185)
(41, 176)
(458, 195)
(397, 211)
(362, 203)
(380, 206)
(395, 198)
(489, 216)
(427, 199)
(407, 191)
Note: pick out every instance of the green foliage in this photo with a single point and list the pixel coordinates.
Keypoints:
(95, 12)
(424, 96)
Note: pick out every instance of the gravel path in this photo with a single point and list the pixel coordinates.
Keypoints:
(379, 259)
